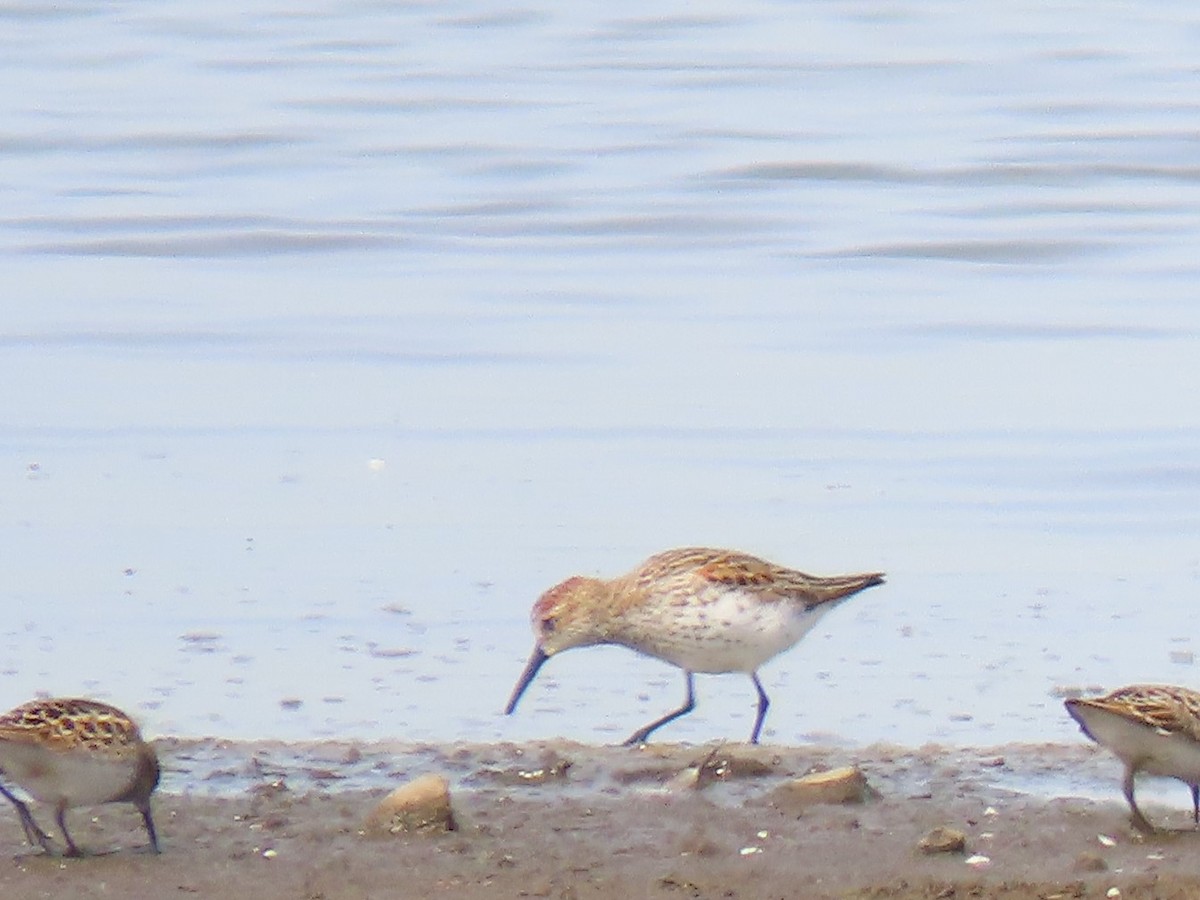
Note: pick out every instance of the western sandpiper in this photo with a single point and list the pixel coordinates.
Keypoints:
(702, 610)
(75, 753)
(1151, 728)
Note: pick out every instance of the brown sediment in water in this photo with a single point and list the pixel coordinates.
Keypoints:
(556, 819)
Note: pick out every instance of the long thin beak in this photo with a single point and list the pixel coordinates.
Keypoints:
(536, 659)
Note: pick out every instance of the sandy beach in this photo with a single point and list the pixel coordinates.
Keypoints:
(564, 820)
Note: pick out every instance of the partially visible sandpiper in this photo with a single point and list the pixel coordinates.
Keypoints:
(69, 753)
(1151, 728)
(702, 610)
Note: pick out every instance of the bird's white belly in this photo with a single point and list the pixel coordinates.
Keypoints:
(727, 631)
(1152, 751)
(73, 778)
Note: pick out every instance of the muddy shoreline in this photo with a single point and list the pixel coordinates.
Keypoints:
(563, 820)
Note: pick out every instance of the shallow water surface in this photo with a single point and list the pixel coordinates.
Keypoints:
(334, 334)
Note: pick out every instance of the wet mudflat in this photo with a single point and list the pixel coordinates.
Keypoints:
(558, 819)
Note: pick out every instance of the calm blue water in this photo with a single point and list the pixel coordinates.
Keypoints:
(334, 333)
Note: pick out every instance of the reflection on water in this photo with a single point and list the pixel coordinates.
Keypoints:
(334, 335)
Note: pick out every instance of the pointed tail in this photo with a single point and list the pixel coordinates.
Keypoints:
(826, 590)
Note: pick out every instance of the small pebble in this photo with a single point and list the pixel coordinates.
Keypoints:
(943, 840)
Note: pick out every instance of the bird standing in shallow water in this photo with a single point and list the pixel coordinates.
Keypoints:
(75, 753)
(1151, 728)
(700, 609)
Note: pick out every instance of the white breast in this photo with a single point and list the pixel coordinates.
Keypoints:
(723, 630)
(1146, 748)
(76, 778)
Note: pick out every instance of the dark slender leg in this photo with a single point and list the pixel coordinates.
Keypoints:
(33, 833)
(639, 736)
(1140, 822)
(763, 704)
(60, 818)
(1196, 803)
(144, 809)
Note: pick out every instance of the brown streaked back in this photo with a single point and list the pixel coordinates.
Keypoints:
(735, 569)
(64, 724)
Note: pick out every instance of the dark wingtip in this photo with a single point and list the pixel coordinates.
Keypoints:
(856, 583)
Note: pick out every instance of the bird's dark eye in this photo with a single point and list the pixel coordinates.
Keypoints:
(548, 623)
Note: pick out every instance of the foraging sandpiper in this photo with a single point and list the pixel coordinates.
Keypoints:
(70, 752)
(1151, 728)
(700, 609)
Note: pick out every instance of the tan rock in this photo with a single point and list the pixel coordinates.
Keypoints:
(847, 784)
(422, 805)
(943, 840)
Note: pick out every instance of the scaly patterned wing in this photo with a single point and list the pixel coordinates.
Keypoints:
(742, 570)
(67, 723)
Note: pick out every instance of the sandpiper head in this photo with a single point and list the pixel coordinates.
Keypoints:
(562, 618)
(1076, 709)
